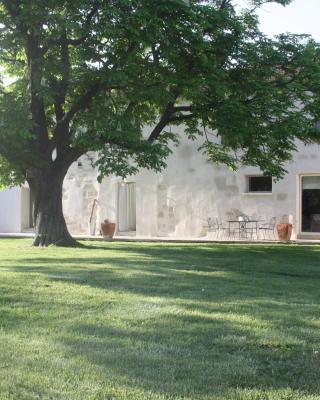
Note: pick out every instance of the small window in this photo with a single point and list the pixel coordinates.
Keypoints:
(259, 184)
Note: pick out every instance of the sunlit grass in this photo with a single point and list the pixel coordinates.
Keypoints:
(159, 321)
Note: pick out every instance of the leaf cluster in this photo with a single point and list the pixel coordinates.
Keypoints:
(117, 77)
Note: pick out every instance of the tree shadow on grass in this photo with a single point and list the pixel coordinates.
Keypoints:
(230, 318)
(194, 356)
(182, 271)
(185, 354)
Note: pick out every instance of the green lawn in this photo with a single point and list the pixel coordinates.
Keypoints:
(159, 321)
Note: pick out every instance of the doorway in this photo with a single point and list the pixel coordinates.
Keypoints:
(127, 207)
(27, 206)
(310, 204)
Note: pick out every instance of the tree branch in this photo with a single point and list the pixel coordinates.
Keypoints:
(37, 106)
(72, 42)
(60, 87)
(182, 108)
(90, 16)
(34, 60)
(68, 157)
(164, 120)
(83, 102)
(181, 118)
(224, 4)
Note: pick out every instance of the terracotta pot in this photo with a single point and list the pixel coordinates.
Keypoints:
(284, 231)
(108, 229)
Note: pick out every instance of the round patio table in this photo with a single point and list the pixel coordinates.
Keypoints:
(243, 226)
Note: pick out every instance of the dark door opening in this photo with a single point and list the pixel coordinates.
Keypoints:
(311, 204)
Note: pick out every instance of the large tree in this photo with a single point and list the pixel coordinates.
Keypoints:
(92, 75)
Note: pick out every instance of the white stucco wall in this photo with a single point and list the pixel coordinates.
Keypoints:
(10, 210)
(80, 189)
(178, 201)
(174, 203)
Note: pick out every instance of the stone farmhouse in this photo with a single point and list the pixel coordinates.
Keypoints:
(179, 202)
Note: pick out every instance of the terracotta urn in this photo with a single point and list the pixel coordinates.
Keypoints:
(284, 231)
(108, 229)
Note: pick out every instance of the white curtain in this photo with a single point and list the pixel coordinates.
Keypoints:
(127, 207)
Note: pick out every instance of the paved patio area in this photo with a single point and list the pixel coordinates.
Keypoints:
(130, 238)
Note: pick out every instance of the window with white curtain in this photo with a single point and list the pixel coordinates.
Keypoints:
(127, 207)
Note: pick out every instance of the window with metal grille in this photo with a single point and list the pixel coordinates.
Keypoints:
(259, 184)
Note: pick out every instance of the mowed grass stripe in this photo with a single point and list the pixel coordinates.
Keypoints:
(159, 321)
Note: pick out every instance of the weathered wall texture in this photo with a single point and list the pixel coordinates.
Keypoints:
(178, 202)
(175, 203)
(80, 189)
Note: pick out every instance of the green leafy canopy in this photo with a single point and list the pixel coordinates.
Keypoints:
(118, 77)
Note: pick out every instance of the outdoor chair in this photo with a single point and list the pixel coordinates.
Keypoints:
(251, 226)
(222, 230)
(268, 228)
(212, 226)
(230, 231)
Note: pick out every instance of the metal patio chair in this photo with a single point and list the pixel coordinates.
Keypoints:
(212, 226)
(223, 230)
(268, 228)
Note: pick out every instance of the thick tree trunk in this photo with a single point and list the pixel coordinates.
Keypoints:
(50, 224)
